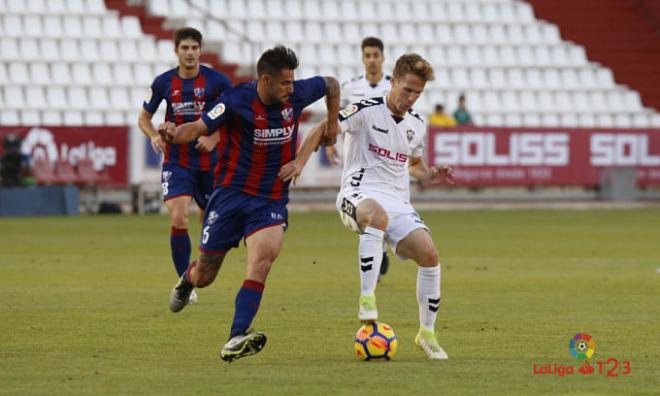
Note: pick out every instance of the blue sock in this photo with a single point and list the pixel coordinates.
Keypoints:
(180, 244)
(247, 305)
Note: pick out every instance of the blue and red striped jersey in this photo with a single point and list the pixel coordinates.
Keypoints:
(187, 99)
(258, 138)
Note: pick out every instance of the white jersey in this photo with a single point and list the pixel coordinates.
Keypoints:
(360, 88)
(378, 148)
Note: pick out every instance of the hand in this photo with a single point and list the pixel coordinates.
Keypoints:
(290, 171)
(167, 131)
(206, 144)
(444, 173)
(333, 155)
(158, 144)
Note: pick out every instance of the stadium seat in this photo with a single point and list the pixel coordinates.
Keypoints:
(109, 51)
(114, 118)
(39, 73)
(528, 101)
(604, 120)
(587, 120)
(72, 26)
(30, 117)
(51, 118)
(76, 7)
(101, 74)
(73, 118)
(69, 50)
(18, 73)
(275, 31)
(33, 26)
(56, 7)
(56, 98)
(563, 102)
(94, 118)
(130, 27)
(77, 98)
(96, 7)
(622, 121)
(44, 171)
(29, 49)
(597, 101)
(90, 50)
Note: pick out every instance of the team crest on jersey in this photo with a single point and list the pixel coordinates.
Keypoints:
(410, 134)
(199, 92)
(216, 111)
(213, 216)
(287, 114)
(166, 176)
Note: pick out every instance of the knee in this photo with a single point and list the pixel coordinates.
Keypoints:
(376, 219)
(179, 219)
(429, 258)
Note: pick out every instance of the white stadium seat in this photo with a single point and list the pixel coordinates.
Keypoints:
(14, 97)
(35, 97)
(18, 73)
(56, 97)
(30, 117)
(39, 73)
(51, 118)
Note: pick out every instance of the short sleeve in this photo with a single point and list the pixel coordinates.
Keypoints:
(154, 97)
(350, 119)
(220, 113)
(418, 150)
(309, 90)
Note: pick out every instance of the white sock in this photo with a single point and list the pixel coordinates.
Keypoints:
(428, 295)
(370, 256)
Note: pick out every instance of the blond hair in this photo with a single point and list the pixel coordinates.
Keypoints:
(415, 64)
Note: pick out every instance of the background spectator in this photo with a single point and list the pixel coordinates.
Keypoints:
(461, 115)
(440, 119)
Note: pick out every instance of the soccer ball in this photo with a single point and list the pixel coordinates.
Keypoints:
(375, 341)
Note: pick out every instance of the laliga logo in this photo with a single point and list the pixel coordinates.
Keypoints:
(40, 144)
(582, 347)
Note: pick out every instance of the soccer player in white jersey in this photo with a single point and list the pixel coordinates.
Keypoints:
(373, 83)
(383, 143)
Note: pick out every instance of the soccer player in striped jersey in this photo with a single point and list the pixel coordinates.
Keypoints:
(261, 119)
(374, 83)
(188, 90)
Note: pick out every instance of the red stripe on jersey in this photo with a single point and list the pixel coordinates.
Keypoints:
(168, 146)
(259, 152)
(235, 133)
(177, 97)
(199, 85)
(288, 153)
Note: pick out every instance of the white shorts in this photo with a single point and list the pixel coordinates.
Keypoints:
(403, 219)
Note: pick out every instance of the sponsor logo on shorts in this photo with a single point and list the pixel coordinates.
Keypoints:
(212, 217)
(167, 175)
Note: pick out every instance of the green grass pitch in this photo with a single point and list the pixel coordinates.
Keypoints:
(83, 308)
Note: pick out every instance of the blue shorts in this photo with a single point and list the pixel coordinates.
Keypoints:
(231, 215)
(178, 181)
